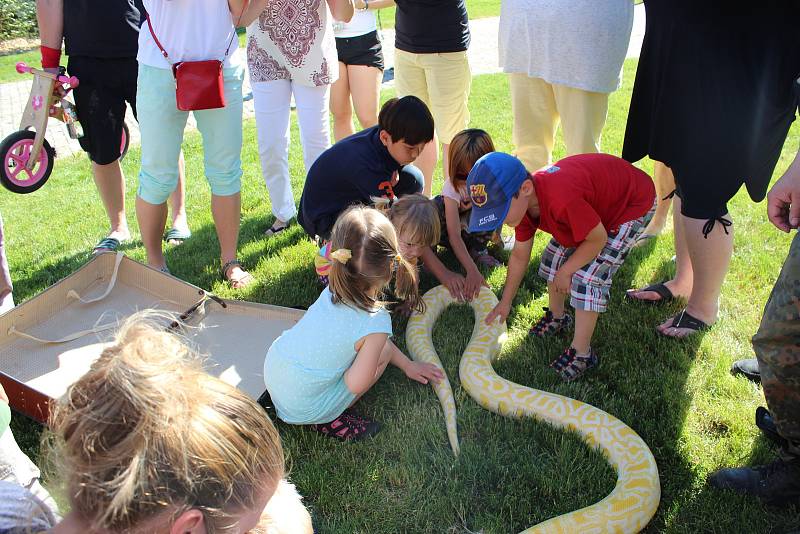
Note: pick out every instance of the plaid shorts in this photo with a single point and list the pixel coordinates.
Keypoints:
(591, 284)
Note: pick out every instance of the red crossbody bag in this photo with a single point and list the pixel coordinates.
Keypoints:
(198, 84)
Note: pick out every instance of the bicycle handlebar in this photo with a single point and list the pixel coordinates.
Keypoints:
(72, 81)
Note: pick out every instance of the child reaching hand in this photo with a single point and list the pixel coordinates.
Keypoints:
(595, 206)
(340, 348)
(454, 207)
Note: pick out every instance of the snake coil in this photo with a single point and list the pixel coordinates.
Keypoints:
(634, 499)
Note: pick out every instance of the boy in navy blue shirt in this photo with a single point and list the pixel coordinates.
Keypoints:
(373, 163)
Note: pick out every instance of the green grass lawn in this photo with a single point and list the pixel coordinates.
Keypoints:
(678, 395)
(7, 63)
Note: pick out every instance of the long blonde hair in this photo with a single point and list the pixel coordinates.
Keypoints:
(372, 241)
(147, 432)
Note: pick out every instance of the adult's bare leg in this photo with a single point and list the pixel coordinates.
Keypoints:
(665, 184)
(110, 183)
(426, 162)
(340, 105)
(152, 220)
(365, 86)
(710, 258)
(683, 281)
(226, 211)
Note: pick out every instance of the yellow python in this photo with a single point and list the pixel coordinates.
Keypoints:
(634, 500)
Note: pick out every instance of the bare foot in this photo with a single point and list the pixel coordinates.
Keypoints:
(238, 277)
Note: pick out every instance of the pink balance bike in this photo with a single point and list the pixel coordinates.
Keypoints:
(26, 158)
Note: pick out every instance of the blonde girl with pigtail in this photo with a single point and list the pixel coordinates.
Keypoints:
(340, 348)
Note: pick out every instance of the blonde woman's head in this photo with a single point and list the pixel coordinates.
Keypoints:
(375, 257)
(146, 441)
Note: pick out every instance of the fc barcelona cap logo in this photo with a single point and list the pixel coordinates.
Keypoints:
(477, 193)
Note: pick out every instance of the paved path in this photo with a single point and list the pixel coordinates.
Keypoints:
(482, 58)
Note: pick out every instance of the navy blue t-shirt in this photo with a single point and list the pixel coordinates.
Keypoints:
(350, 172)
(431, 26)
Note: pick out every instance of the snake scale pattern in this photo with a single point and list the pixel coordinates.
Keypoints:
(634, 499)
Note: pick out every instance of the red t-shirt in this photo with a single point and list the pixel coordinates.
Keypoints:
(578, 192)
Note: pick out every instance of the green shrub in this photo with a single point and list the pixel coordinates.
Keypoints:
(17, 19)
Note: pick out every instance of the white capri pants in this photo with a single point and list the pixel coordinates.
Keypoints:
(272, 102)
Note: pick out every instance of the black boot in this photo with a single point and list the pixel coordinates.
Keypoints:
(777, 484)
(767, 426)
(748, 368)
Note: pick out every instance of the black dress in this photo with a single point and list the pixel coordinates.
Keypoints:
(714, 96)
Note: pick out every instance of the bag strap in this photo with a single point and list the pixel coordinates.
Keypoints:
(230, 43)
(158, 43)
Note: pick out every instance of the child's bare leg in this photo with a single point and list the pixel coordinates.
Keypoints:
(555, 301)
(585, 321)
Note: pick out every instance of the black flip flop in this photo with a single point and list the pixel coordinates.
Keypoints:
(275, 230)
(688, 321)
(660, 289)
(107, 244)
(175, 234)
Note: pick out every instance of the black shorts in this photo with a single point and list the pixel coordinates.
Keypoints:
(105, 85)
(361, 50)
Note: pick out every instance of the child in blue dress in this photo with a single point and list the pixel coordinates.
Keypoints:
(318, 368)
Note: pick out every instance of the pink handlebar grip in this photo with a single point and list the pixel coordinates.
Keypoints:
(22, 68)
(71, 80)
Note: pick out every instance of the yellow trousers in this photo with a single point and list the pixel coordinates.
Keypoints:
(538, 107)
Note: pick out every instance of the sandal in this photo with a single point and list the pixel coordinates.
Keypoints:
(688, 321)
(107, 244)
(276, 228)
(349, 427)
(176, 236)
(549, 325)
(664, 293)
(241, 281)
(576, 364)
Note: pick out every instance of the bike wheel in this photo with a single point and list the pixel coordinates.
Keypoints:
(15, 151)
(125, 142)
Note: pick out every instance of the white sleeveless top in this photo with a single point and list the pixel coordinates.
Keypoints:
(189, 30)
(362, 23)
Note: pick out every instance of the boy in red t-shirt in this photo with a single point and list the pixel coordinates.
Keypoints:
(594, 205)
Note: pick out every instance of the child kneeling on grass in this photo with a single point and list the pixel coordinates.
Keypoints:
(340, 348)
(454, 207)
(594, 205)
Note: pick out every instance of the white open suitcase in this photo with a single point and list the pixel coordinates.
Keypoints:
(50, 341)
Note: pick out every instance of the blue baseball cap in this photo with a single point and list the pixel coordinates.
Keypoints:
(491, 184)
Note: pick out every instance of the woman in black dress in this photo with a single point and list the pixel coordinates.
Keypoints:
(713, 100)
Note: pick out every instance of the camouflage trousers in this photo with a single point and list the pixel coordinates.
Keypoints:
(777, 347)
